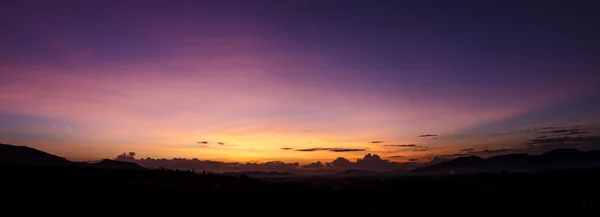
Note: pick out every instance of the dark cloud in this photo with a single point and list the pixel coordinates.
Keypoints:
(368, 162)
(550, 128)
(428, 135)
(287, 149)
(467, 150)
(340, 162)
(562, 140)
(555, 131)
(420, 149)
(496, 151)
(407, 145)
(346, 149)
(315, 165)
(221, 143)
(376, 141)
(331, 149)
(576, 132)
(203, 142)
(313, 149)
(396, 156)
(413, 160)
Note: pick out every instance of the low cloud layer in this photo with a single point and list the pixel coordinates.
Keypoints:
(327, 149)
(427, 135)
(207, 165)
(396, 156)
(368, 162)
(407, 145)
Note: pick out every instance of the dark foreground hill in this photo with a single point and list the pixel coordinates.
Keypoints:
(552, 160)
(26, 156)
(71, 190)
(260, 174)
(113, 164)
(11, 155)
(113, 187)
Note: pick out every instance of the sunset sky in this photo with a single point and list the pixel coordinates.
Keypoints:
(297, 81)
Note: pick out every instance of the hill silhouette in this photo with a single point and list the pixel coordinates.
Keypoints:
(12, 155)
(552, 160)
(113, 164)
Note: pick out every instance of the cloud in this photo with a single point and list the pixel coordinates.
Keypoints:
(203, 142)
(576, 132)
(331, 149)
(396, 156)
(555, 131)
(496, 151)
(562, 140)
(368, 162)
(420, 149)
(313, 149)
(315, 165)
(221, 143)
(427, 135)
(287, 149)
(413, 160)
(407, 145)
(467, 150)
(340, 162)
(376, 141)
(346, 149)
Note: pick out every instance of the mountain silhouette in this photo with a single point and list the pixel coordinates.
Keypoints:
(113, 164)
(12, 155)
(552, 160)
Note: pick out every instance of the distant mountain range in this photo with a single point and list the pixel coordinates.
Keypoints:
(552, 160)
(11, 155)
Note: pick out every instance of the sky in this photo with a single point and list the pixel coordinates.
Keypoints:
(299, 81)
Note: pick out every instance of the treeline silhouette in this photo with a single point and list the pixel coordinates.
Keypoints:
(557, 193)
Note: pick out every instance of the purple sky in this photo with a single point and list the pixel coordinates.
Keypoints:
(91, 79)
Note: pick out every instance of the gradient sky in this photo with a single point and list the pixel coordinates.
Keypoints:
(92, 79)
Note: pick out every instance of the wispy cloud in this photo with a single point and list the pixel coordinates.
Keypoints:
(407, 145)
(329, 149)
(562, 140)
(396, 156)
(427, 135)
